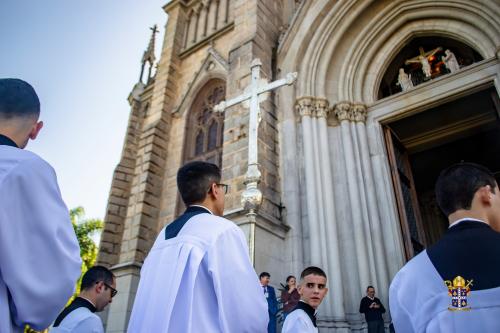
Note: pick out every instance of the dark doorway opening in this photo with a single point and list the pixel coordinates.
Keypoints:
(421, 145)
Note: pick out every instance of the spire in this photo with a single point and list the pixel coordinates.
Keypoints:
(149, 54)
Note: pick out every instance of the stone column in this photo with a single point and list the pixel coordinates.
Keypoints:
(344, 115)
(305, 109)
(375, 225)
(332, 239)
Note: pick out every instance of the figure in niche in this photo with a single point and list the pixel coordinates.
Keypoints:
(423, 58)
(404, 80)
(450, 61)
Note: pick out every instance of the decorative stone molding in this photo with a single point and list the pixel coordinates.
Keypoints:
(342, 110)
(321, 107)
(350, 111)
(358, 112)
(304, 106)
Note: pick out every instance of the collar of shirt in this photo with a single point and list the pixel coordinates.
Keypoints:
(465, 219)
(371, 298)
(309, 310)
(92, 303)
(203, 208)
(6, 141)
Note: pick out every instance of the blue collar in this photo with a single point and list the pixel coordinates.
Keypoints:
(173, 229)
(6, 141)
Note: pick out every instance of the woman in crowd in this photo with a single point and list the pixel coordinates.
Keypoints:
(290, 296)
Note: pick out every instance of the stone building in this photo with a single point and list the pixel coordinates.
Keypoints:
(388, 93)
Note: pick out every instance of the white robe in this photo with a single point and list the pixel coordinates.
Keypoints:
(81, 320)
(199, 281)
(298, 322)
(419, 302)
(39, 253)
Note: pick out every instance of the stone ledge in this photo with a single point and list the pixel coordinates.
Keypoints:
(198, 45)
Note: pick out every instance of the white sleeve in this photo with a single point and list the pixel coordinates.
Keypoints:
(241, 302)
(401, 316)
(39, 253)
(295, 324)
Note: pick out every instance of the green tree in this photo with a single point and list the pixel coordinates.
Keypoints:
(84, 230)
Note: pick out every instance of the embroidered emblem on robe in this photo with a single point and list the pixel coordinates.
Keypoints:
(458, 290)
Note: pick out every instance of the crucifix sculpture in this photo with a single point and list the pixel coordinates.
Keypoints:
(252, 197)
(423, 59)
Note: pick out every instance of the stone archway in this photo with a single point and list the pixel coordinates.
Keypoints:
(341, 51)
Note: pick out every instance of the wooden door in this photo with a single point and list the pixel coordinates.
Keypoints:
(406, 195)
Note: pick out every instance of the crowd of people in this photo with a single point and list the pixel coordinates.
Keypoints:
(198, 276)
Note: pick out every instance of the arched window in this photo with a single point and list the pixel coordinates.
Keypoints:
(424, 59)
(205, 128)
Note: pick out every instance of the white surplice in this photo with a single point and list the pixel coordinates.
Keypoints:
(200, 281)
(419, 303)
(39, 253)
(298, 322)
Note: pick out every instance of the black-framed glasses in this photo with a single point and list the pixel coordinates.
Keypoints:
(113, 290)
(224, 186)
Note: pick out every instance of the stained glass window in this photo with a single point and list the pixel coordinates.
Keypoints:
(204, 130)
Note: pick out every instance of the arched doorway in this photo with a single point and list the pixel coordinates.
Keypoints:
(449, 130)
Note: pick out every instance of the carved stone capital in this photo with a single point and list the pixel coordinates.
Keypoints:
(321, 107)
(342, 110)
(304, 106)
(358, 112)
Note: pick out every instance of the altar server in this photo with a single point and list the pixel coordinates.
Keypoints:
(312, 290)
(39, 253)
(454, 286)
(198, 276)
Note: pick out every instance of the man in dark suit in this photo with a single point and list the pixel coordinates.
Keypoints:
(373, 310)
(272, 303)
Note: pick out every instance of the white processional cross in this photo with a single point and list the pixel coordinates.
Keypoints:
(252, 197)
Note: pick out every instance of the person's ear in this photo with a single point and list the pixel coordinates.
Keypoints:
(299, 289)
(326, 290)
(485, 195)
(213, 190)
(99, 286)
(216, 191)
(35, 130)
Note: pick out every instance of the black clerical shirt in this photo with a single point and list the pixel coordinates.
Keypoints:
(371, 314)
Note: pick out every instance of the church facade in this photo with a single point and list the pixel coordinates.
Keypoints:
(388, 93)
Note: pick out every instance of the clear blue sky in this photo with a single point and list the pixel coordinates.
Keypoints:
(83, 58)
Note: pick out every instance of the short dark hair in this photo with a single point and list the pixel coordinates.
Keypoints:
(263, 274)
(312, 270)
(367, 288)
(194, 180)
(96, 274)
(18, 99)
(290, 277)
(456, 186)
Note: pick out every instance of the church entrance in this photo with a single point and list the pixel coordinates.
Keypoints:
(421, 145)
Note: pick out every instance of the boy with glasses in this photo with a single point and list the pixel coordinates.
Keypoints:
(198, 276)
(97, 291)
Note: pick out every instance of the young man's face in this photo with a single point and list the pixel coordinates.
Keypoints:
(371, 292)
(264, 280)
(313, 289)
(105, 295)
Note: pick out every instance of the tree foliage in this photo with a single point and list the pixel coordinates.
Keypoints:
(84, 230)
